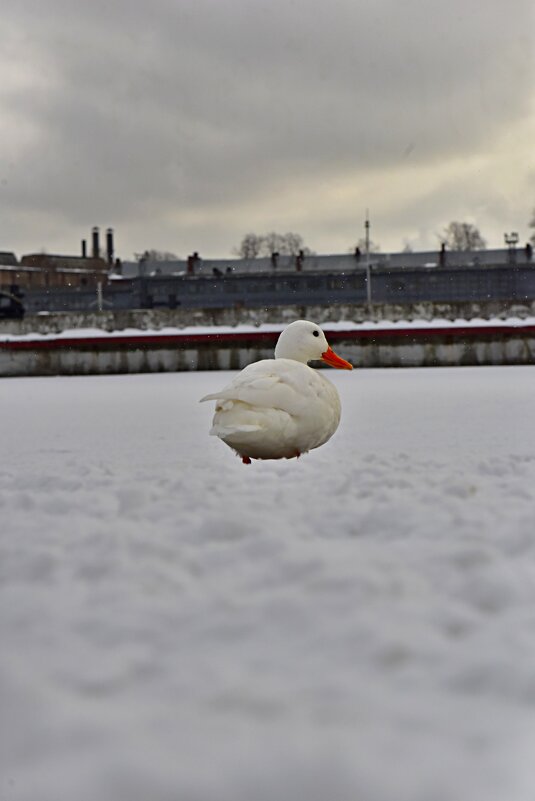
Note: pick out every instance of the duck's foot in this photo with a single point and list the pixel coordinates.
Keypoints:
(246, 460)
(294, 455)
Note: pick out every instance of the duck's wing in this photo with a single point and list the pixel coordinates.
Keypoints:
(241, 386)
(270, 383)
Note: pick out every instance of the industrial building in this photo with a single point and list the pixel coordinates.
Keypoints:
(45, 271)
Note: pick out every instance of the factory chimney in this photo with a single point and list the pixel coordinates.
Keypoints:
(96, 243)
(84, 249)
(109, 245)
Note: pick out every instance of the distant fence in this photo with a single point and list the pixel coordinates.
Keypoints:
(402, 286)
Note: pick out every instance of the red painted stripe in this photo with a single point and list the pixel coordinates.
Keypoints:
(258, 338)
(140, 341)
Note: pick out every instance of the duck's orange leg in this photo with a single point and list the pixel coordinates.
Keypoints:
(246, 460)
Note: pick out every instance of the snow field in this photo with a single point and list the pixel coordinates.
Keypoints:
(356, 624)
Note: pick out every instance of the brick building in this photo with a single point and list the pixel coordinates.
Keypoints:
(42, 270)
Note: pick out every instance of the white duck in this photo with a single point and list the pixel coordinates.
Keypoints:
(280, 408)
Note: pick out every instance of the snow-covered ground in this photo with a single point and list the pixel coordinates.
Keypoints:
(357, 625)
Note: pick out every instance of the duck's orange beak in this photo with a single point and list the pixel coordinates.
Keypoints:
(335, 361)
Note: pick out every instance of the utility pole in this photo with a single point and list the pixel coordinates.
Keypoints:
(367, 246)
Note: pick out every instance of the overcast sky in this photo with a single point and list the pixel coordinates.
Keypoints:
(185, 124)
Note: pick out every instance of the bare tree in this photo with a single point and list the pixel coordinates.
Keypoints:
(289, 244)
(532, 225)
(250, 247)
(156, 255)
(272, 243)
(253, 245)
(463, 236)
(292, 244)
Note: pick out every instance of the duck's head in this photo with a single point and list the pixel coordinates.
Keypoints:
(304, 341)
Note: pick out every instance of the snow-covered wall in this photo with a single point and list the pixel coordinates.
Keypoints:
(418, 344)
(156, 319)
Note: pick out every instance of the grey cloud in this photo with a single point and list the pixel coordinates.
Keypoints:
(177, 105)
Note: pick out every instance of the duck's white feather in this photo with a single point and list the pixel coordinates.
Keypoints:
(276, 408)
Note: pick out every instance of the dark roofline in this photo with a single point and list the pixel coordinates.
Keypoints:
(62, 256)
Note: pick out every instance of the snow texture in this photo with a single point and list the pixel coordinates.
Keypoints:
(355, 625)
(340, 326)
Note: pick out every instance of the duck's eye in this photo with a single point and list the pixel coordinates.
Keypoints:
(316, 333)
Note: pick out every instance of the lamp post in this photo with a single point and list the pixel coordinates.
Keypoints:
(367, 246)
(100, 300)
(511, 240)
